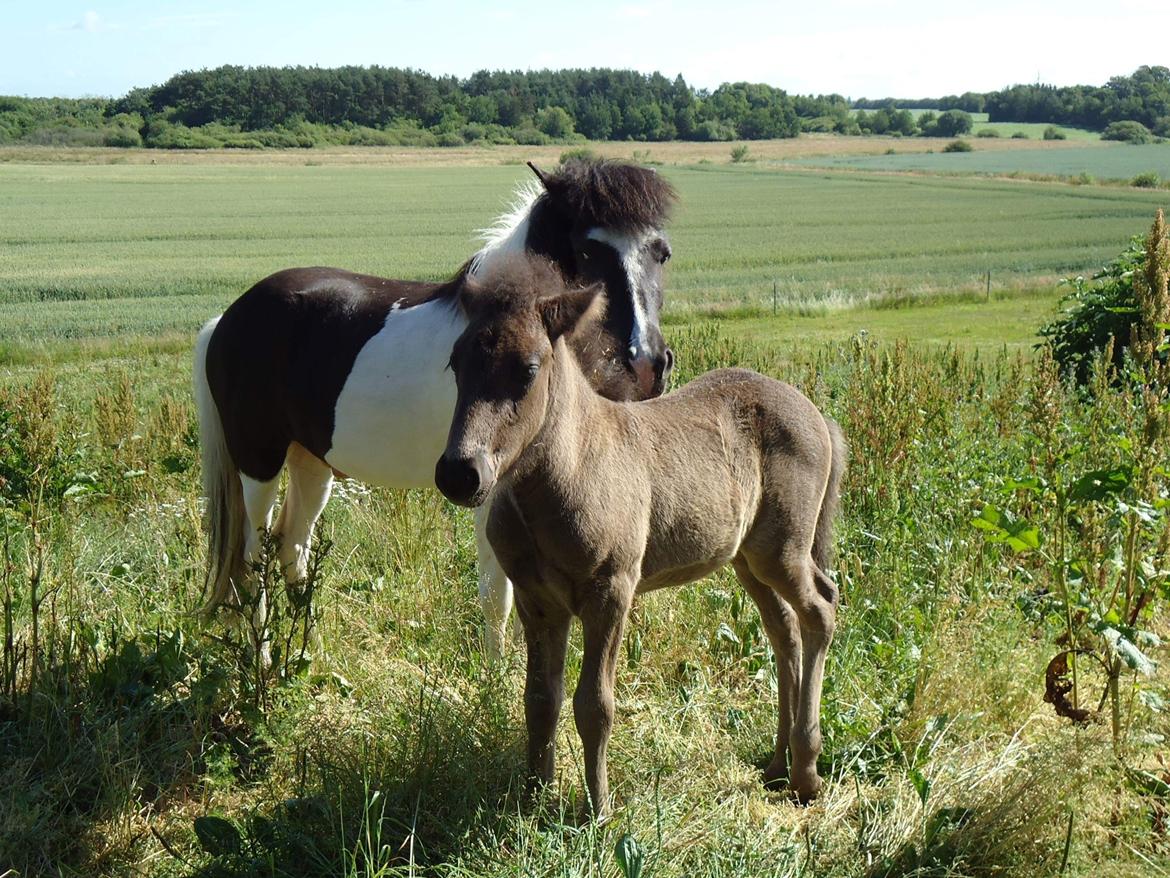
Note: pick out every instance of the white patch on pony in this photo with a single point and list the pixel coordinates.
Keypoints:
(509, 233)
(394, 411)
(629, 249)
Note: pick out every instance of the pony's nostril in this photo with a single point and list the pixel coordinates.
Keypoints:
(664, 363)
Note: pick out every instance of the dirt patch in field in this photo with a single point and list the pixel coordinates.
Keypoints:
(673, 153)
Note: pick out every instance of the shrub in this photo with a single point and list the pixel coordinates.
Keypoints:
(122, 137)
(450, 138)
(1148, 180)
(579, 153)
(957, 146)
(555, 122)
(529, 136)
(951, 123)
(1127, 131)
(987, 132)
(1020, 135)
(1102, 312)
(739, 153)
(1054, 133)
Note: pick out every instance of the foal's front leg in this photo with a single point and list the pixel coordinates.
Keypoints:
(603, 619)
(546, 633)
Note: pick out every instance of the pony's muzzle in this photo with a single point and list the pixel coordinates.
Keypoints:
(652, 372)
(464, 480)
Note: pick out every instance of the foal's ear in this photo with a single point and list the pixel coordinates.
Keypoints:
(562, 313)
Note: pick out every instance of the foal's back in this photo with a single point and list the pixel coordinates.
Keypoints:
(737, 458)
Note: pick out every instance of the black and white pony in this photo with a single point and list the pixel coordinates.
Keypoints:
(328, 372)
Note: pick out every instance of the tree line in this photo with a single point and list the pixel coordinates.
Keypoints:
(308, 106)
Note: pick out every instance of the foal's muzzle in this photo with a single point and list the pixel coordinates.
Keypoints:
(464, 480)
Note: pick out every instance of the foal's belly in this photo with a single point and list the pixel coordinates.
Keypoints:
(394, 412)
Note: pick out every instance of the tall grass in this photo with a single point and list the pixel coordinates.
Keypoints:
(130, 740)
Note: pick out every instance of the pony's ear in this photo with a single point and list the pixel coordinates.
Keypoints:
(563, 313)
(540, 175)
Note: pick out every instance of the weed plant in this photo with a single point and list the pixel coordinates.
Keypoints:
(134, 741)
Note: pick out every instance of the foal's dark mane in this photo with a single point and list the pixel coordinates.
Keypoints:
(518, 284)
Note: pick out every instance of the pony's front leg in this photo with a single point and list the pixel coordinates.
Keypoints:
(495, 591)
(603, 619)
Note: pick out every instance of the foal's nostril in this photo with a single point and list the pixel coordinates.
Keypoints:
(457, 478)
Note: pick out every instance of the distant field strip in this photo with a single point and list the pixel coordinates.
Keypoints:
(107, 252)
(1113, 162)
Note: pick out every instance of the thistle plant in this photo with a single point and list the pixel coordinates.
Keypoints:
(1095, 511)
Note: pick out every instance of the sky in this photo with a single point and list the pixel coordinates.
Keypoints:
(923, 48)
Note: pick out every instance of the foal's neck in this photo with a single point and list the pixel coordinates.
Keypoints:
(574, 422)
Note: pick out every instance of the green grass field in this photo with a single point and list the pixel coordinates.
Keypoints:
(137, 741)
(90, 255)
(1112, 162)
(1033, 130)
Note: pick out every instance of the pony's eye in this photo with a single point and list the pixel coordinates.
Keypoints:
(533, 368)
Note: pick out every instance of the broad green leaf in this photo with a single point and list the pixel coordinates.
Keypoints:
(1101, 483)
(1128, 651)
(629, 856)
(217, 836)
(921, 785)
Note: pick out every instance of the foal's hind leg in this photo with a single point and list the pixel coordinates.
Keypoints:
(814, 598)
(783, 631)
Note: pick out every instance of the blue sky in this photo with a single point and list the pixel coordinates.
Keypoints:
(909, 49)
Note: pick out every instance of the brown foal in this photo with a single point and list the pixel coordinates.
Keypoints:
(594, 501)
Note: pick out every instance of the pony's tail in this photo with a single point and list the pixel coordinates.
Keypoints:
(822, 549)
(221, 486)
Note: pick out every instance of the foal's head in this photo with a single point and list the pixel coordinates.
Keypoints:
(602, 221)
(516, 316)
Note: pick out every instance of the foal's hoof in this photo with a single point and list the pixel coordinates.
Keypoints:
(776, 777)
(806, 789)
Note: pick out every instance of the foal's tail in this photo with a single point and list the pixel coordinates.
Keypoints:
(222, 488)
(822, 550)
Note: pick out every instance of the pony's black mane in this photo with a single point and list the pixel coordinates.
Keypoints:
(611, 194)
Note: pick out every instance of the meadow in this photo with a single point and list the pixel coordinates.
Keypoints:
(116, 252)
(1120, 162)
(135, 741)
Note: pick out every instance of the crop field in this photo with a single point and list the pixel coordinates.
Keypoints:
(1113, 162)
(92, 255)
(137, 741)
(1033, 130)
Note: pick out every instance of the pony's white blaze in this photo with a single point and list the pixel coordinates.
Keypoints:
(394, 412)
(629, 249)
(509, 233)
